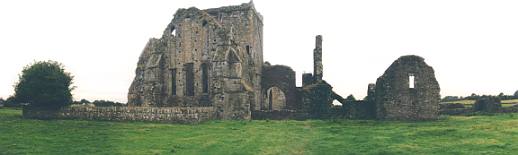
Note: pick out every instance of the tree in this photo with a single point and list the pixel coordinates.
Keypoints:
(44, 84)
(10, 102)
(501, 96)
(516, 94)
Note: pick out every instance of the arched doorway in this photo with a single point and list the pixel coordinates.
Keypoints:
(275, 99)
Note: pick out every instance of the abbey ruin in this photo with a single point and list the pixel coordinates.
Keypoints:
(208, 64)
(214, 58)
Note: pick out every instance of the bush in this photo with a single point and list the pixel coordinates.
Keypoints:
(103, 103)
(82, 101)
(10, 102)
(44, 84)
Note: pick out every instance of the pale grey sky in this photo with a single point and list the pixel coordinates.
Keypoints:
(471, 44)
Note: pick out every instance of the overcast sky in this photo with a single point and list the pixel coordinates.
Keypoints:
(471, 44)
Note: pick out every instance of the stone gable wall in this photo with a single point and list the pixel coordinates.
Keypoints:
(151, 114)
(394, 98)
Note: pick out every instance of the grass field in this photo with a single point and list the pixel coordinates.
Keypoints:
(496, 134)
(505, 103)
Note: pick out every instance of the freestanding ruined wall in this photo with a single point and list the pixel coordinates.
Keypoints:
(407, 90)
(318, 69)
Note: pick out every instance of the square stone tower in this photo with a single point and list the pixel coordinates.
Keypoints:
(209, 57)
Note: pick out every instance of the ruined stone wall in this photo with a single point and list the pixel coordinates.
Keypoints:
(152, 114)
(318, 69)
(246, 27)
(282, 78)
(394, 97)
(207, 57)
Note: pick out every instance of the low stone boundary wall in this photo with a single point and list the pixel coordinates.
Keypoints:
(153, 114)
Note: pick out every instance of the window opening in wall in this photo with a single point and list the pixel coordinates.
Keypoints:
(205, 77)
(248, 49)
(173, 31)
(411, 80)
(270, 99)
(173, 81)
(204, 23)
(189, 79)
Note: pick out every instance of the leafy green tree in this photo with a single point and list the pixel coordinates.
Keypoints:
(44, 84)
(516, 94)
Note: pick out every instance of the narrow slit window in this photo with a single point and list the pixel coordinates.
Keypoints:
(248, 49)
(189, 79)
(411, 81)
(205, 77)
(173, 81)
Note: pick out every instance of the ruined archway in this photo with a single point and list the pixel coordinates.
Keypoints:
(275, 99)
(281, 78)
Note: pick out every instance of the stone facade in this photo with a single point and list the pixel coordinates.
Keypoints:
(407, 90)
(214, 58)
(209, 57)
(279, 86)
(153, 114)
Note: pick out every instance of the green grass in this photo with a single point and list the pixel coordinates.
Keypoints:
(513, 101)
(496, 134)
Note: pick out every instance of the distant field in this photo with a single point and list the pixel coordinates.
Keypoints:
(496, 134)
(505, 103)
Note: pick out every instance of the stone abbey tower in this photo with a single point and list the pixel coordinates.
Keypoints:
(209, 57)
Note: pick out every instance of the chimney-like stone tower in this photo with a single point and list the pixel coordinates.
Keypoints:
(317, 59)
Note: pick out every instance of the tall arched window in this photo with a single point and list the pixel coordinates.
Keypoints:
(205, 77)
(189, 79)
(173, 81)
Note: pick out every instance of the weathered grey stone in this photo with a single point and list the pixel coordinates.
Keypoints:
(398, 98)
(318, 69)
(278, 83)
(152, 114)
(209, 57)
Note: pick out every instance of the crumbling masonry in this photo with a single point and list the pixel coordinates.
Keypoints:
(210, 57)
(214, 58)
(407, 90)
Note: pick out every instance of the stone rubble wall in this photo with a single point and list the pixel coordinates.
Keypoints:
(396, 100)
(151, 114)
